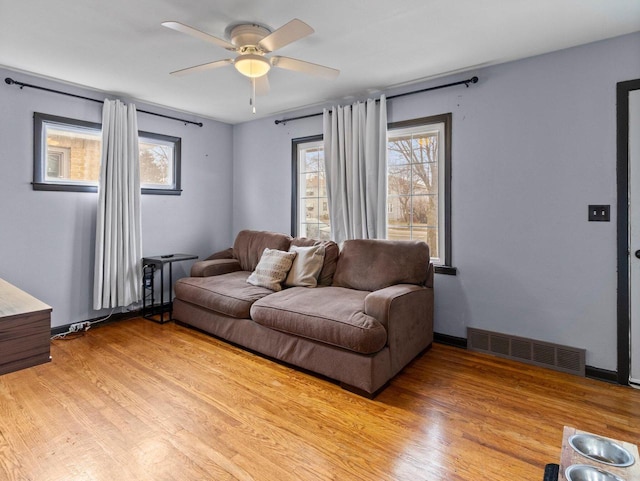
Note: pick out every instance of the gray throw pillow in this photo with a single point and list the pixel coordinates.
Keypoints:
(272, 269)
(306, 266)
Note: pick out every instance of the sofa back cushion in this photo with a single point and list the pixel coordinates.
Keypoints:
(331, 253)
(306, 266)
(250, 244)
(369, 265)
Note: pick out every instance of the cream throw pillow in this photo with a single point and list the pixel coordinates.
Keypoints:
(272, 269)
(306, 266)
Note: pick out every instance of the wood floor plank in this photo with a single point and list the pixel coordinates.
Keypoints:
(136, 400)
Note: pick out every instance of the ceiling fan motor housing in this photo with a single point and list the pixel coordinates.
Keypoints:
(248, 35)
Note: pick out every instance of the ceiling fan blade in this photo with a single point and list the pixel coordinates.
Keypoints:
(262, 85)
(305, 67)
(180, 27)
(288, 33)
(204, 66)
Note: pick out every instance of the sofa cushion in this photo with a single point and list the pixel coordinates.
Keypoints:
(272, 269)
(370, 265)
(331, 315)
(306, 266)
(250, 244)
(331, 253)
(227, 294)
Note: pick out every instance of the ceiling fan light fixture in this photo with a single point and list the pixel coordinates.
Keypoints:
(252, 66)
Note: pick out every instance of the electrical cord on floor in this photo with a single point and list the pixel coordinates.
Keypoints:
(67, 336)
(78, 329)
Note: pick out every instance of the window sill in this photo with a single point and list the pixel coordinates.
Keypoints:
(92, 188)
(447, 270)
(146, 190)
(64, 187)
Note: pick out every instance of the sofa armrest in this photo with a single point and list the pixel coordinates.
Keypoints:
(430, 271)
(225, 254)
(214, 267)
(406, 311)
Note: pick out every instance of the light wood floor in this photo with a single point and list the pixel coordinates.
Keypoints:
(135, 400)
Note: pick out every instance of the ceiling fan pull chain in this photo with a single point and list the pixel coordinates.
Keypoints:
(252, 100)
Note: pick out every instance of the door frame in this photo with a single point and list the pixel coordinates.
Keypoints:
(624, 299)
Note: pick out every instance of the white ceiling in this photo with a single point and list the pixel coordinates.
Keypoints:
(118, 46)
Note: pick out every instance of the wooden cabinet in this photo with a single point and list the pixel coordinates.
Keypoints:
(25, 329)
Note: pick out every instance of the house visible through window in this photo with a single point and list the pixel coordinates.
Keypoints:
(67, 157)
(418, 185)
(312, 216)
(58, 162)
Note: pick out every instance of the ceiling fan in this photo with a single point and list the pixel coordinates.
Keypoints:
(252, 42)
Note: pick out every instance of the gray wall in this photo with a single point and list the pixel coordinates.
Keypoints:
(47, 238)
(533, 145)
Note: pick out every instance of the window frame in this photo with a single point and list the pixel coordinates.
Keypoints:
(445, 119)
(39, 162)
(446, 267)
(177, 167)
(295, 195)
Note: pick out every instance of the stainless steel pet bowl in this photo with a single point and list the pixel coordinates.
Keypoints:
(584, 472)
(601, 450)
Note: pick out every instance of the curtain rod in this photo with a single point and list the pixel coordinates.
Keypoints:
(10, 81)
(471, 80)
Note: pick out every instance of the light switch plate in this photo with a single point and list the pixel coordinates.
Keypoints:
(599, 213)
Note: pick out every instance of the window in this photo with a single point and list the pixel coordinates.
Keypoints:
(312, 216)
(67, 157)
(58, 162)
(157, 161)
(418, 192)
(418, 173)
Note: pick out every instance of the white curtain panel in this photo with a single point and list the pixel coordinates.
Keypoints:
(118, 259)
(355, 155)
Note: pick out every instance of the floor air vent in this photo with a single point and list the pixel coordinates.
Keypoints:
(545, 354)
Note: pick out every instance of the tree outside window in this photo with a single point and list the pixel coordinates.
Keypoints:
(412, 179)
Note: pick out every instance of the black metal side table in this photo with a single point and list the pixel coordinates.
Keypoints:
(149, 267)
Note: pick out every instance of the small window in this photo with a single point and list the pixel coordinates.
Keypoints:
(67, 157)
(159, 167)
(310, 191)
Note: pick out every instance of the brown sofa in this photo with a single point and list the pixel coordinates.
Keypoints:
(369, 316)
